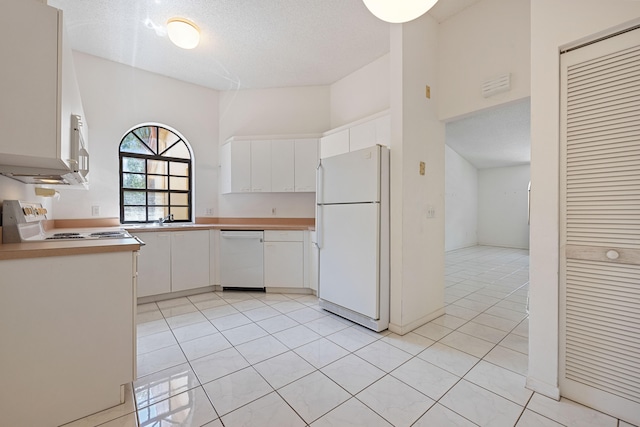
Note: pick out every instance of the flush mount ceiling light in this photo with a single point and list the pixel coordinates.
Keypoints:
(399, 11)
(183, 33)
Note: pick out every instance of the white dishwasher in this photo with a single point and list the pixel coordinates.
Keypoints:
(241, 259)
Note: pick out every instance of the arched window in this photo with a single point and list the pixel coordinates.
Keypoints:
(155, 176)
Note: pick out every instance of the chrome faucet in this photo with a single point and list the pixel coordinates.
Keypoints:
(168, 218)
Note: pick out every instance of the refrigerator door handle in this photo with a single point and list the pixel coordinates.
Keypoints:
(318, 241)
(319, 176)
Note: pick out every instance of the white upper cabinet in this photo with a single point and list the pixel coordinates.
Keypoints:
(306, 161)
(362, 135)
(260, 166)
(282, 165)
(38, 86)
(383, 130)
(357, 136)
(235, 167)
(268, 165)
(334, 144)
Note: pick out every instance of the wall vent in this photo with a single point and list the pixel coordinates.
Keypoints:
(499, 84)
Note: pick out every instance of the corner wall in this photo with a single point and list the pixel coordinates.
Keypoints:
(118, 97)
(461, 202)
(278, 111)
(360, 94)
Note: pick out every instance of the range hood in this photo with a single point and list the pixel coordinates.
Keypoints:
(52, 172)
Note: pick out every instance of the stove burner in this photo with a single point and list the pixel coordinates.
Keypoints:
(65, 235)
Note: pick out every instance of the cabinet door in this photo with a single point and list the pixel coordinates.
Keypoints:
(362, 135)
(383, 130)
(283, 264)
(334, 144)
(235, 167)
(154, 264)
(282, 165)
(260, 166)
(306, 161)
(189, 259)
(29, 83)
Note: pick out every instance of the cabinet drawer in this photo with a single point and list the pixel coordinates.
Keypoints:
(283, 236)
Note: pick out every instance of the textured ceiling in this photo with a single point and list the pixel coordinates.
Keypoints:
(494, 138)
(245, 43)
(255, 44)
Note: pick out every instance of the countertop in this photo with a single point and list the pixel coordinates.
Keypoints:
(230, 226)
(10, 251)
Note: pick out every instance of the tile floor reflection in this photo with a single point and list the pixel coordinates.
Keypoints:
(255, 359)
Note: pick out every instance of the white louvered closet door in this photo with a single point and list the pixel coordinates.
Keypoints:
(600, 226)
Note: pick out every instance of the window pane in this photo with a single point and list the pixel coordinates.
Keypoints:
(134, 198)
(149, 136)
(180, 214)
(130, 164)
(157, 166)
(179, 199)
(157, 212)
(131, 144)
(178, 183)
(179, 150)
(179, 168)
(157, 182)
(130, 180)
(134, 213)
(166, 139)
(158, 198)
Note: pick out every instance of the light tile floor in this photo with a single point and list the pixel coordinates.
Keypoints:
(255, 359)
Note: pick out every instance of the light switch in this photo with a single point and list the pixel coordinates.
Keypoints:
(422, 168)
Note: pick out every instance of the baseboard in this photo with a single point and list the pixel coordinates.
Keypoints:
(305, 291)
(545, 389)
(171, 295)
(405, 329)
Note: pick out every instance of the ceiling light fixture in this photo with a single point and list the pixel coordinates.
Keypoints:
(397, 12)
(183, 33)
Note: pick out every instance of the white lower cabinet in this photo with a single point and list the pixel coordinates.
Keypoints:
(173, 261)
(154, 264)
(284, 259)
(189, 260)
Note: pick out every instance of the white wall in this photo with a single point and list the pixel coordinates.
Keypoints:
(554, 24)
(417, 242)
(10, 189)
(503, 207)
(460, 202)
(279, 111)
(275, 111)
(360, 94)
(489, 38)
(117, 98)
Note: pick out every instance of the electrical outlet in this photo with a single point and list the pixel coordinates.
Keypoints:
(209, 212)
(95, 210)
(431, 211)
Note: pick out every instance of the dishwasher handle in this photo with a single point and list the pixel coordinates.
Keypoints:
(242, 235)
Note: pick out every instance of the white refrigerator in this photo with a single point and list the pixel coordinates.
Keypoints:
(352, 226)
